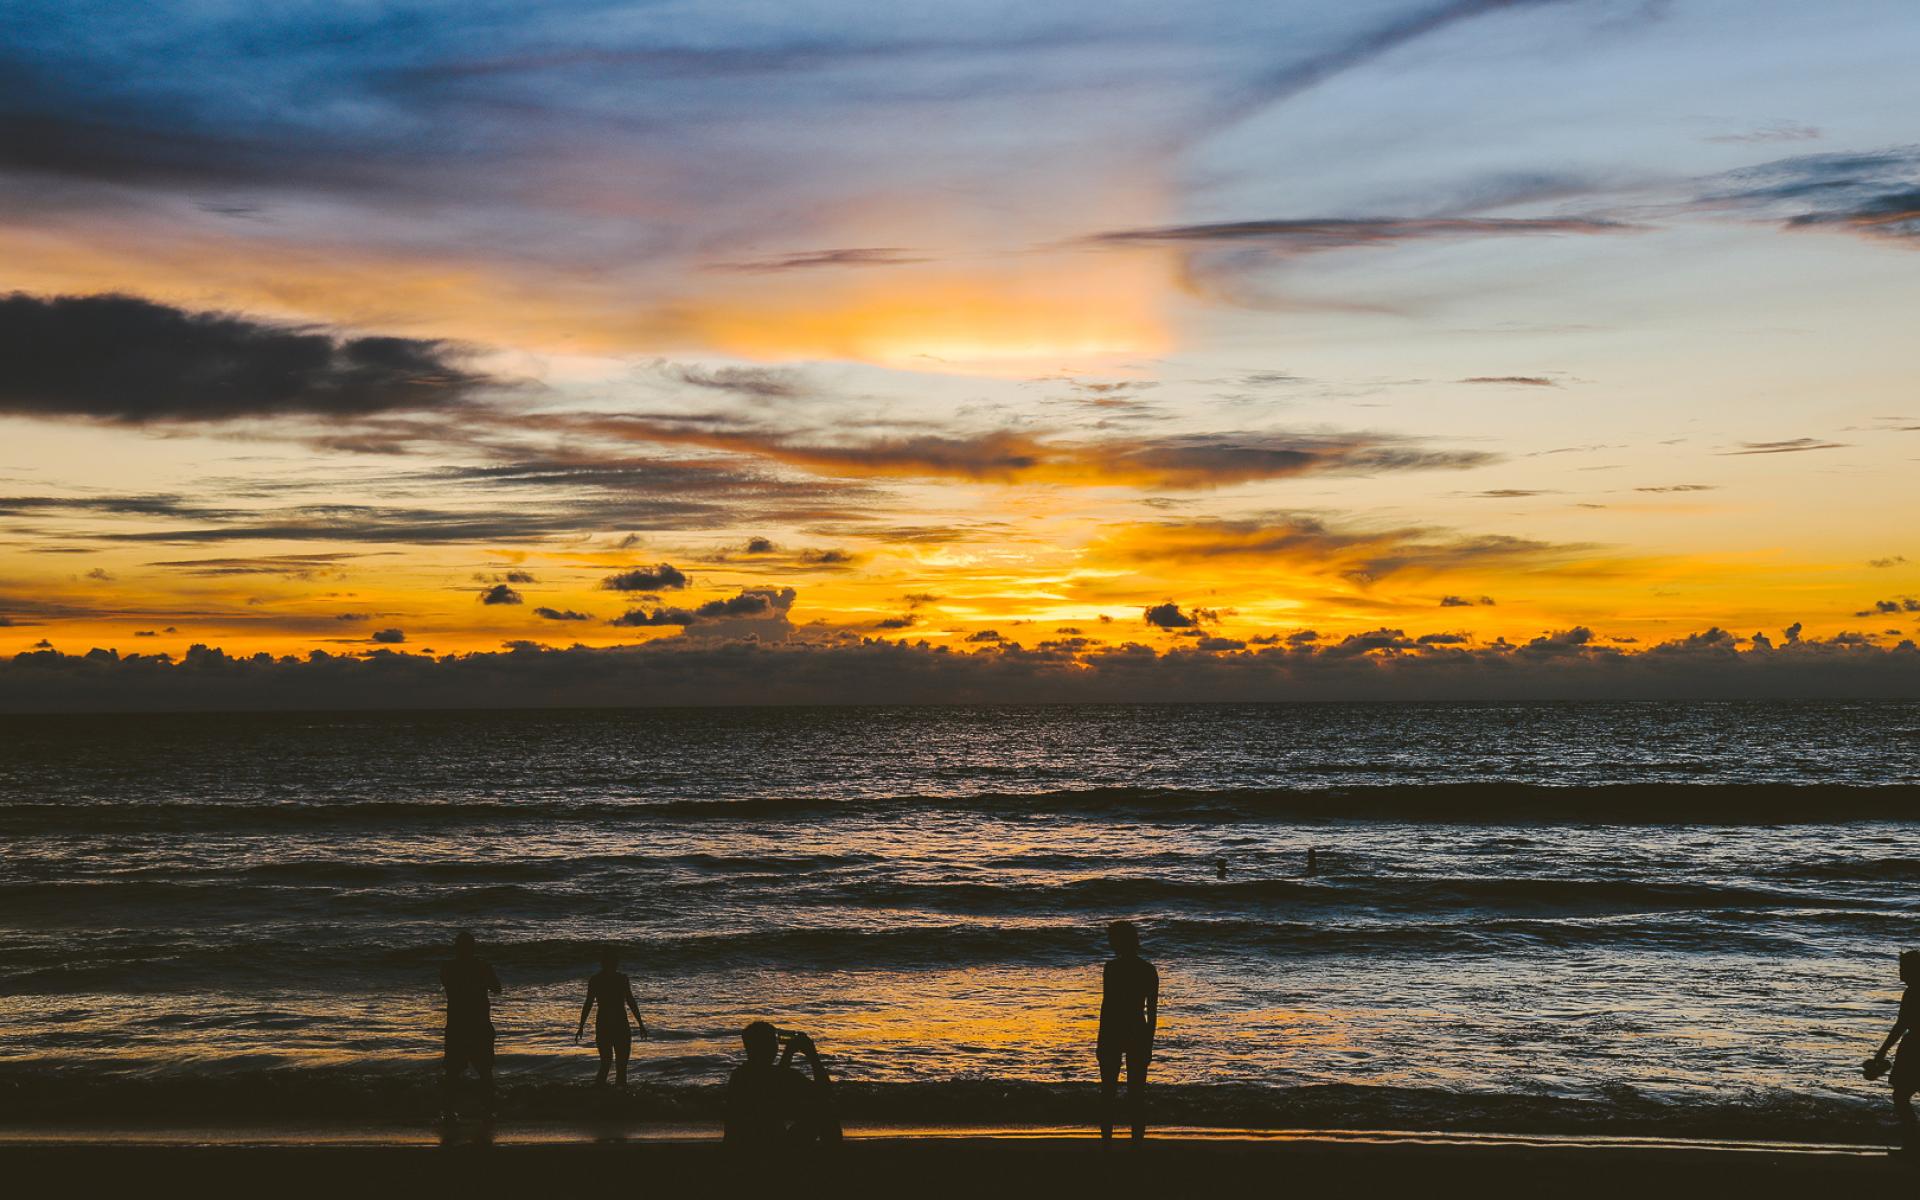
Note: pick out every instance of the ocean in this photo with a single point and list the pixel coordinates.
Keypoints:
(1674, 917)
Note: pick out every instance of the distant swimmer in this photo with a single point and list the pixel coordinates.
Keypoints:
(613, 993)
(1906, 1065)
(1220, 867)
(468, 980)
(1313, 861)
(1129, 1016)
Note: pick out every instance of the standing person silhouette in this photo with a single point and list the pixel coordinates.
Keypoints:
(613, 992)
(468, 980)
(1906, 1065)
(1129, 1014)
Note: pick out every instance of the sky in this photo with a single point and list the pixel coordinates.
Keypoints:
(1247, 340)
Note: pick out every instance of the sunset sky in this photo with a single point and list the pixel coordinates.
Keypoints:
(1201, 327)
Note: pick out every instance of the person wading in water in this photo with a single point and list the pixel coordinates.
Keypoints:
(613, 993)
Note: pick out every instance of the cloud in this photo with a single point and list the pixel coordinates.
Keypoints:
(515, 502)
(759, 383)
(1170, 616)
(1513, 493)
(1179, 461)
(1883, 607)
(1464, 601)
(1778, 131)
(500, 593)
(1893, 560)
(1380, 664)
(391, 637)
(1293, 75)
(660, 578)
(124, 359)
(520, 577)
(810, 260)
(749, 608)
(903, 621)
(751, 602)
(985, 636)
(1790, 446)
(1681, 487)
(287, 566)
(641, 618)
(1566, 641)
(1520, 380)
(1873, 194)
(1314, 545)
(561, 614)
(1310, 235)
(767, 556)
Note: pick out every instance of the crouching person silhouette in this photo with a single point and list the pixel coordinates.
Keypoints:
(1906, 1065)
(771, 1106)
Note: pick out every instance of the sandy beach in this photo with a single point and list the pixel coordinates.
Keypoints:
(678, 1160)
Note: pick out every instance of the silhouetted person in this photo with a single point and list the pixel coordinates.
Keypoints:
(613, 993)
(771, 1107)
(468, 981)
(1220, 867)
(1906, 1065)
(1129, 1013)
(1313, 861)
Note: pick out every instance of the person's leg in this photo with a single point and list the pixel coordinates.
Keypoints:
(453, 1064)
(622, 1050)
(605, 1045)
(1137, 1091)
(1109, 1078)
(1909, 1124)
(483, 1067)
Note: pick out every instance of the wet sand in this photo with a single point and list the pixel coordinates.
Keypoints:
(915, 1163)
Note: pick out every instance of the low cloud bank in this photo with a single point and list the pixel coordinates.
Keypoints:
(1383, 665)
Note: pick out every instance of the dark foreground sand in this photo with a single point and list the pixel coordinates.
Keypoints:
(915, 1166)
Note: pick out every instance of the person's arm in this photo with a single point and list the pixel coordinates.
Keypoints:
(1153, 1006)
(822, 1112)
(805, 1046)
(633, 1006)
(584, 1010)
(1901, 1024)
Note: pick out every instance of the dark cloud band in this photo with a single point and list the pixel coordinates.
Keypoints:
(121, 358)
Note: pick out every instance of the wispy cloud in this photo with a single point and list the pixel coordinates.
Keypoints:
(1310, 235)
(812, 260)
(1788, 446)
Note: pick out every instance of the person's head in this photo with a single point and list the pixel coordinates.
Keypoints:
(609, 959)
(463, 944)
(1123, 937)
(1910, 966)
(762, 1042)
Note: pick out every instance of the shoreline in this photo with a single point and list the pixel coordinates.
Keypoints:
(970, 1162)
(523, 1134)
